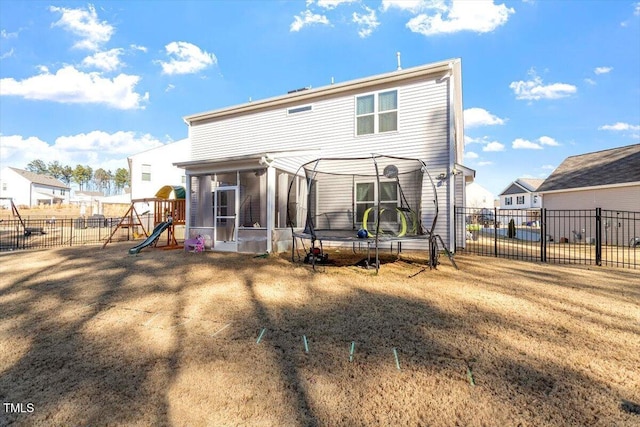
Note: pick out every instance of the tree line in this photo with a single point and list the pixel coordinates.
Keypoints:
(84, 175)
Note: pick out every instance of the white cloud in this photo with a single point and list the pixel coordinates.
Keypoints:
(548, 167)
(186, 58)
(71, 86)
(485, 163)
(332, 4)
(474, 117)
(97, 149)
(138, 47)
(170, 87)
(636, 10)
(470, 155)
(413, 6)
(367, 22)
(7, 54)
(524, 144)
(590, 81)
(5, 35)
(307, 18)
(480, 16)
(534, 89)
(470, 140)
(602, 70)
(106, 61)
(619, 126)
(493, 146)
(547, 140)
(84, 23)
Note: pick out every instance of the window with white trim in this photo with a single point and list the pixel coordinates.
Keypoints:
(508, 201)
(520, 200)
(377, 113)
(146, 172)
(368, 198)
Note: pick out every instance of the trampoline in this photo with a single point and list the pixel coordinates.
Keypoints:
(365, 201)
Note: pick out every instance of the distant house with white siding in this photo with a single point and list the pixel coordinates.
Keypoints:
(152, 169)
(32, 189)
(479, 197)
(607, 179)
(522, 194)
(245, 157)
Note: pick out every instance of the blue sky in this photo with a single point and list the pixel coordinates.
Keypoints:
(92, 83)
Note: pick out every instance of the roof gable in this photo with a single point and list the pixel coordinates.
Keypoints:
(522, 186)
(608, 167)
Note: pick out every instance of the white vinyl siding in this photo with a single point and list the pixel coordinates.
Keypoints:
(625, 198)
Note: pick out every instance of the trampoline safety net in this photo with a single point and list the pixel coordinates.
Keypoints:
(375, 199)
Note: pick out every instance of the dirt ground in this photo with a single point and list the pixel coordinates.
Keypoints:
(92, 336)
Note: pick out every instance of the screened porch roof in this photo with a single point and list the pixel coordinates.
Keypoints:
(288, 161)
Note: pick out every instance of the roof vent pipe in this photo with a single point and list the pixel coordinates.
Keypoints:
(398, 56)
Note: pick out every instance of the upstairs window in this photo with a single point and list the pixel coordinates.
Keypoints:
(508, 201)
(146, 172)
(520, 200)
(377, 113)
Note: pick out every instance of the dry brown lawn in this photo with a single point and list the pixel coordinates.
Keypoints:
(98, 337)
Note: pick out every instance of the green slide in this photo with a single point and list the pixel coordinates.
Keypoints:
(157, 231)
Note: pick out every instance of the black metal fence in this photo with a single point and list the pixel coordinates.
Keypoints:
(49, 233)
(587, 236)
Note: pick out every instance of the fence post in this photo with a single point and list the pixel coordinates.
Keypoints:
(495, 231)
(71, 232)
(543, 235)
(598, 236)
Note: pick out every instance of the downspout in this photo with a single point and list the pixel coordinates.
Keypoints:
(450, 168)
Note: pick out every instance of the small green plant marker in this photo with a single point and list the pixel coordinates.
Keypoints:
(470, 376)
(306, 345)
(261, 334)
(353, 347)
(395, 354)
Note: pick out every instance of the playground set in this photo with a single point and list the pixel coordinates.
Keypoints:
(27, 231)
(168, 211)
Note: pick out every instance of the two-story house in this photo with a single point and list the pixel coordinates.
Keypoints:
(522, 194)
(245, 159)
(32, 189)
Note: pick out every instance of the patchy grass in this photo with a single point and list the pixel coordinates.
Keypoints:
(94, 337)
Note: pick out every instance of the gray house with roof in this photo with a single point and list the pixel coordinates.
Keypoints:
(607, 179)
(522, 194)
(32, 189)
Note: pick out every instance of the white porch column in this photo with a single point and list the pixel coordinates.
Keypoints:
(271, 206)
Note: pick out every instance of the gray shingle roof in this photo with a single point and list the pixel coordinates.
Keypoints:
(522, 185)
(40, 179)
(606, 167)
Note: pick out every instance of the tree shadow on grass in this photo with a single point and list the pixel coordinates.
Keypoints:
(83, 355)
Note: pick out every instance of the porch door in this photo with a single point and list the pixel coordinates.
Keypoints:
(225, 210)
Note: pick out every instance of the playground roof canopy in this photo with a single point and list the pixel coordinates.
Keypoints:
(165, 192)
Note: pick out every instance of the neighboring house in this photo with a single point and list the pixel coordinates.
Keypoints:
(478, 197)
(152, 169)
(32, 189)
(607, 179)
(245, 158)
(522, 194)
